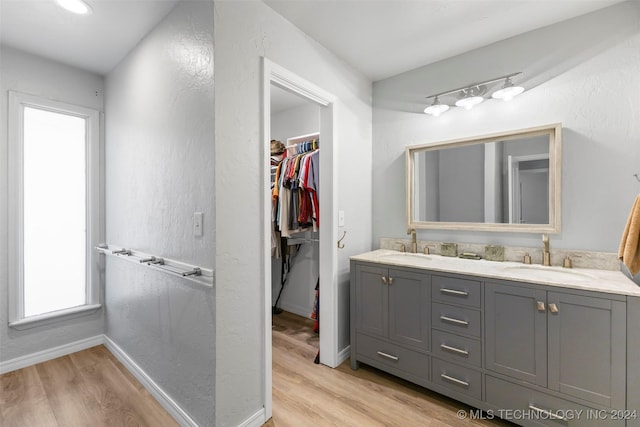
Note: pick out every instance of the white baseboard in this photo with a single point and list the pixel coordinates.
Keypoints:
(50, 354)
(256, 420)
(344, 355)
(296, 309)
(163, 398)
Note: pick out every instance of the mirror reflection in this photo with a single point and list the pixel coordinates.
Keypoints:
(507, 181)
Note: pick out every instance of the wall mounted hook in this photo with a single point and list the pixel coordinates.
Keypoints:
(340, 244)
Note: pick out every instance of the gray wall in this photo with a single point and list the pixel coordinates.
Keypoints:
(588, 81)
(245, 31)
(38, 76)
(159, 171)
(461, 173)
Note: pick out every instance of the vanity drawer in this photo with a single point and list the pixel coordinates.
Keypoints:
(377, 352)
(456, 348)
(458, 378)
(456, 291)
(541, 409)
(455, 319)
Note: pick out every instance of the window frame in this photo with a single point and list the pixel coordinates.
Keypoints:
(17, 103)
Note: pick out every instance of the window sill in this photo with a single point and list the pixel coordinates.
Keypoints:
(54, 316)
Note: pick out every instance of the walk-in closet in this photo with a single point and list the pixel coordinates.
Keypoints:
(295, 167)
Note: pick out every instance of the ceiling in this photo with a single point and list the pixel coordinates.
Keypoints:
(381, 38)
(96, 42)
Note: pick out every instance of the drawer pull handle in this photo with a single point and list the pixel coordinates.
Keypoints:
(454, 292)
(452, 320)
(455, 350)
(454, 380)
(384, 280)
(553, 308)
(388, 356)
(540, 305)
(390, 281)
(549, 414)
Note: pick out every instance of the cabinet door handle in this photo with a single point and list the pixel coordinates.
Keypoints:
(388, 356)
(454, 292)
(454, 380)
(553, 308)
(454, 349)
(549, 414)
(541, 306)
(452, 320)
(384, 280)
(390, 280)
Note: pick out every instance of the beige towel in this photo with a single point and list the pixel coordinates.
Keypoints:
(629, 252)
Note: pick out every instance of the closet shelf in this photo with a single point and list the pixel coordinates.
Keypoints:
(203, 276)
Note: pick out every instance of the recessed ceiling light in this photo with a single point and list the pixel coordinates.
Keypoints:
(76, 6)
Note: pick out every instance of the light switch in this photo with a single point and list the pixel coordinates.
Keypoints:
(197, 224)
(340, 218)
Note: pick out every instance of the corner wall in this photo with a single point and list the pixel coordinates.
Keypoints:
(245, 31)
(159, 171)
(584, 73)
(26, 73)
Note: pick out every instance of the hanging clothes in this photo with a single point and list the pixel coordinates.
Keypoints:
(296, 191)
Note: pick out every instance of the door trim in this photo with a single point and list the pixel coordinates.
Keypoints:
(273, 73)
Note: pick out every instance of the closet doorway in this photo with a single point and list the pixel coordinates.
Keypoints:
(317, 250)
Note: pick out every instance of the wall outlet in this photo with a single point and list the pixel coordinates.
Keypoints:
(197, 224)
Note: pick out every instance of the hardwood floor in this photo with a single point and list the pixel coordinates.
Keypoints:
(92, 388)
(305, 394)
(88, 388)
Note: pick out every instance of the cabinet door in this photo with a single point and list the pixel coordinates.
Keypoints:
(587, 348)
(409, 299)
(516, 332)
(372, 300)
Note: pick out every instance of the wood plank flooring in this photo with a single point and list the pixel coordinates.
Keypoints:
(305, 394)
(88, 388)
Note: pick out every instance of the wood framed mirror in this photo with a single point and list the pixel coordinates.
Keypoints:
(508, 181)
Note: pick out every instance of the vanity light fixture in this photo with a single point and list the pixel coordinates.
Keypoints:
(78, 7)
(508, 91)
(436, 108)
(473, 94)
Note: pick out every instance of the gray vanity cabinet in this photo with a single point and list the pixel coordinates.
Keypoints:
(536, 355)
(390, 322)
(516, 332)
(570, 343)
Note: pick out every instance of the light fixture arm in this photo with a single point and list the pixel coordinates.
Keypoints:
(467, 87)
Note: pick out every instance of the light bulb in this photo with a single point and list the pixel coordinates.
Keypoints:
(508, 91)
(76, 6)
(436, 108)
(469, 102)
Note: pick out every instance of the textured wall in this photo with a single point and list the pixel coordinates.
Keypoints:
(30, 74)
(588, 81)
(244, 31)
(159, 171)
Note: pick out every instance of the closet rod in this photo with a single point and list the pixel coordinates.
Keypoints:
(295, 145)
(203, 276)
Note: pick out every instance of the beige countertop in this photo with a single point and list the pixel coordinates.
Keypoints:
(608, 281)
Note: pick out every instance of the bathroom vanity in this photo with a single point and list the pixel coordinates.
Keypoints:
(535, 345)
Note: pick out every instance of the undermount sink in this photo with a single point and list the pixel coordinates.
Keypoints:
(406, 256)
(542, 271)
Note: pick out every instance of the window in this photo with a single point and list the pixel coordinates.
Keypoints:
(54, 202)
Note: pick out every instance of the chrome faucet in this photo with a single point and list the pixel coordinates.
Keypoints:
(414, 243)
(546, 255)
